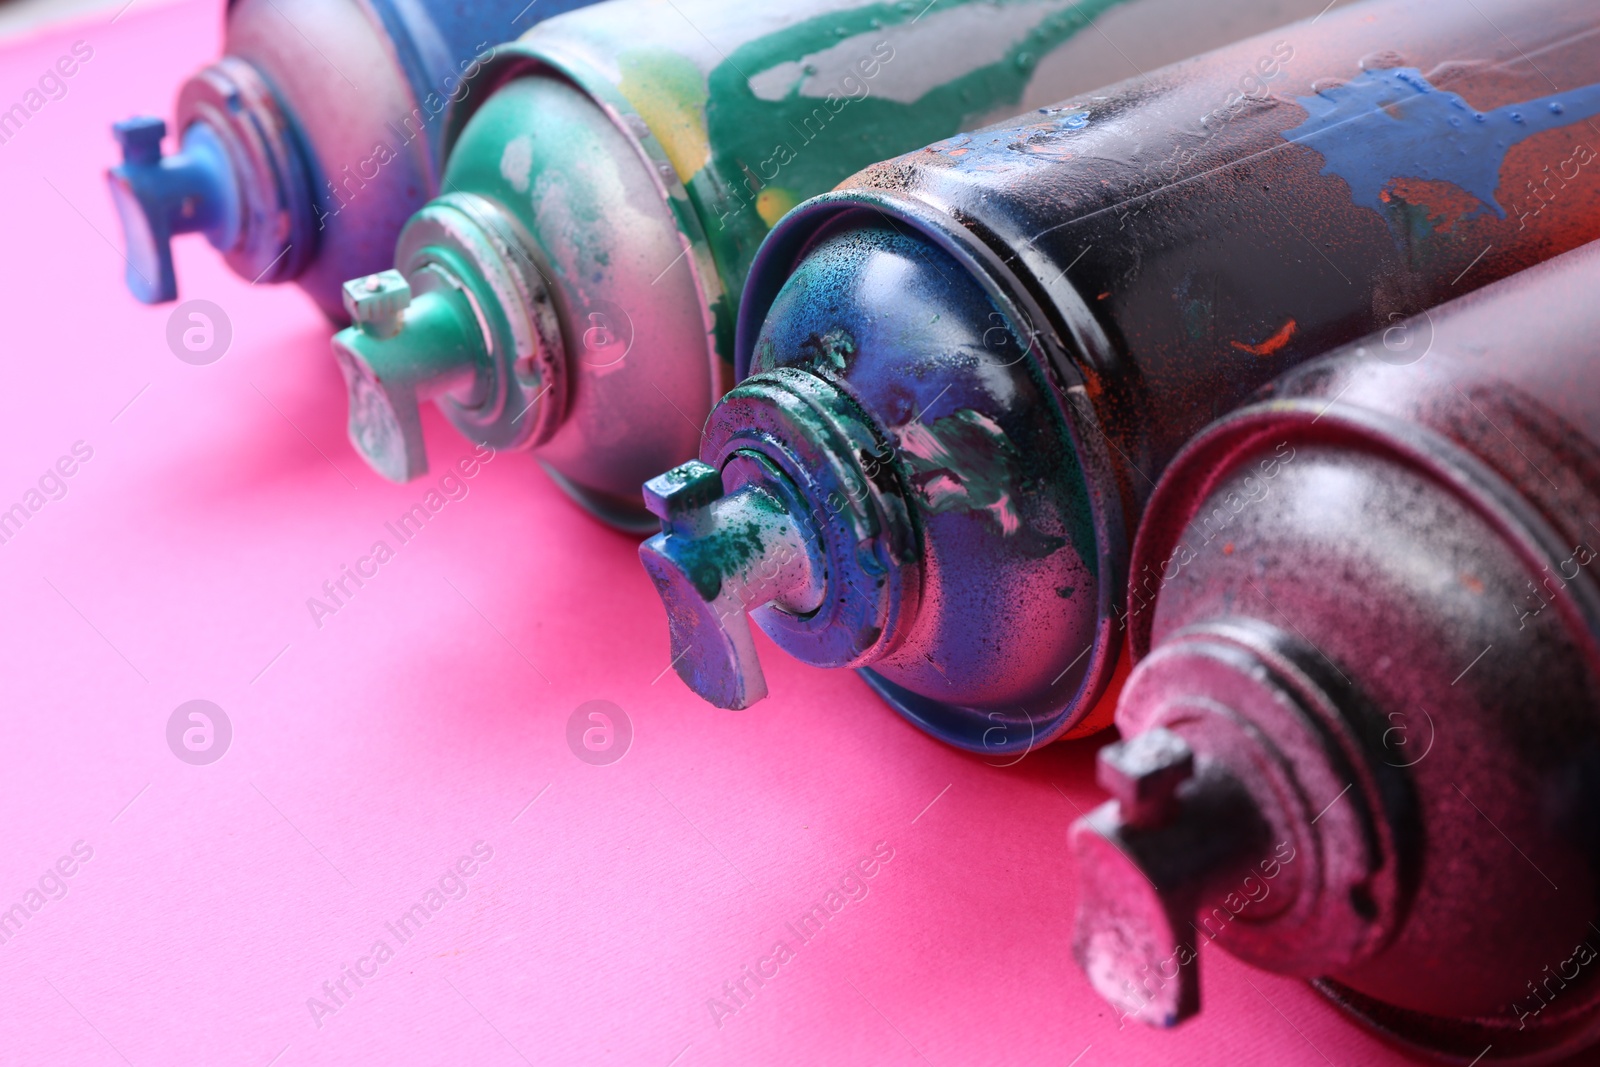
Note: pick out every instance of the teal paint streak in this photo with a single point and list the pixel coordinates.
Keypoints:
(730, 550)
(965, 462)
(806, 145)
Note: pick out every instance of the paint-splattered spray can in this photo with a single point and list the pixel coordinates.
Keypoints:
(574, 289)
(303, 150)
(969, 364)
(1362, 741)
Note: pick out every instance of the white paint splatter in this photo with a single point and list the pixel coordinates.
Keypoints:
(516, 162)
(938, 48)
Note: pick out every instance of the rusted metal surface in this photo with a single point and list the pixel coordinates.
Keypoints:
(1367, 620)
(1031, 319)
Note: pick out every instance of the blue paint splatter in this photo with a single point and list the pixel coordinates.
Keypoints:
(1391, 124)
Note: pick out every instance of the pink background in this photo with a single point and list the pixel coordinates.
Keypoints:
(370, 754)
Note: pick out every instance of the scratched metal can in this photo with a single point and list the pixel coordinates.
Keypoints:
(1362, 741)
(967, 367)
(303, 150)
(575, 288)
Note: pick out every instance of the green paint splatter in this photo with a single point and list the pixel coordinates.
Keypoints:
(731, 548)
(1425, 233)
(709, 559)
(831, 351)
(963, 460)
(966, 461)
(542, 172)
(799, 146)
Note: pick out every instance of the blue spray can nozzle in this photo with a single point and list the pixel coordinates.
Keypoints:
(157, 197)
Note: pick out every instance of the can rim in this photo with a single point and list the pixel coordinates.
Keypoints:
(1072, 350)
(526, 57)
(1206, 459)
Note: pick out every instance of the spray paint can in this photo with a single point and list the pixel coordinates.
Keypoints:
(967, 367)
(1362, 741)
(303, 150)
(574, 290)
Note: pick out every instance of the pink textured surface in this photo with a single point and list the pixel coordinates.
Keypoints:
(424, 717)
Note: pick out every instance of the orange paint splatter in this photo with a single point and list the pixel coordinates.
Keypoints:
(1048, 150)
(1272, 345)
(1443, 203)
(1227, 549)
(1103, 295)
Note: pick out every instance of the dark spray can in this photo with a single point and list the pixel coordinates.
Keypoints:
(967, 367)
(1362, 741)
